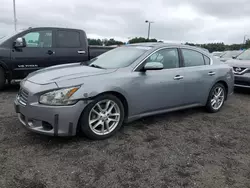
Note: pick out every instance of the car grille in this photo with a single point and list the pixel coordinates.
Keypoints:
(23, 96)
(239, 70)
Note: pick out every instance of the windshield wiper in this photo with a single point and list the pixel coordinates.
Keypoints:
(96, 66)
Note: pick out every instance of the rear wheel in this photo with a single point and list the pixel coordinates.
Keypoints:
(216, 98)
(102, 118)
(2, 78)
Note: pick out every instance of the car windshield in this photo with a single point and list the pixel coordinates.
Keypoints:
(245, 55)
(230, 54)
(2, 39)
(119, 57)
(5, 37)
(217, 53)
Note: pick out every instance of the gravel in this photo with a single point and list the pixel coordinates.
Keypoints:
(189, 148)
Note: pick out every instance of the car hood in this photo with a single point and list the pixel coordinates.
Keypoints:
(238, 63)
(224, 59)
(65, 72)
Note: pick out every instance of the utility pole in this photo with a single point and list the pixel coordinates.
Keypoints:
(244, 41)
(149, 26)
(14, 9)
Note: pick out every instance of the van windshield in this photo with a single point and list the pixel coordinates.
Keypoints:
(118, 58)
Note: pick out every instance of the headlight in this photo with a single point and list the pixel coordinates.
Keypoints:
(59, 97)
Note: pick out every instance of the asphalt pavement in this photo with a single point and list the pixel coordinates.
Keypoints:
(190, 148)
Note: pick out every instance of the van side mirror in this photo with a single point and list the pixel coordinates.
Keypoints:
(19, 42)
(153, 66)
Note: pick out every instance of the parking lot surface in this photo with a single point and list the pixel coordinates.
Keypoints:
(190, 148)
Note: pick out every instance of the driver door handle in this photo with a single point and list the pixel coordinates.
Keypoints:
(211, 73)
(178, 77)
(81, 52)
(50, 52)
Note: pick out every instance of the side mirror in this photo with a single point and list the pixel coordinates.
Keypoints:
(234, 56)
(153, 66)
(20, 43)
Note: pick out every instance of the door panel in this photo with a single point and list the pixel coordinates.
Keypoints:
(158, 90)
(198, 76)
(38, 53)
(198, 82)
(69, 47)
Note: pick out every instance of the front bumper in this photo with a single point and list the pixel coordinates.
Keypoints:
(50, 120)
(242, 81)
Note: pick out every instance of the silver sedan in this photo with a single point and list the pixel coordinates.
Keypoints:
(122, 85)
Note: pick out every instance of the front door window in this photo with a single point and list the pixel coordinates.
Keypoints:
(168, 57)
(39, 39)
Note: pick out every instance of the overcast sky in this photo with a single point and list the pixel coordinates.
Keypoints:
(198, 21)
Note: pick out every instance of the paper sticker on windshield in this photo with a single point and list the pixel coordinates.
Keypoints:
(144, 47)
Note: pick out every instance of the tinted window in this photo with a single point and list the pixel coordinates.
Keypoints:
(207, 60)
(39, 39)
(168, 57)
(68, 39)
(192, 58)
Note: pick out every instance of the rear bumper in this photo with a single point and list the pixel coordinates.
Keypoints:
(50, 120)
(242, 81)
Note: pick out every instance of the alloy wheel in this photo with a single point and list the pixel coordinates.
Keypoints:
(218, 97)
(104, 117)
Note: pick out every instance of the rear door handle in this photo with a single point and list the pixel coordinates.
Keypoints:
(50, 52)
(178, 77)
(81, 52)
(211, 73)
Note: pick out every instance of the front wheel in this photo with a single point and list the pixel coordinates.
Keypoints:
(102, 118)
(216, 98)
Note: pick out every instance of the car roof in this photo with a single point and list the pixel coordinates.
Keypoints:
(161, 44)
(153, 44)
(50, 28)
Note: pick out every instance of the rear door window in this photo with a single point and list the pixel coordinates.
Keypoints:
(192, 58)
(68, 39)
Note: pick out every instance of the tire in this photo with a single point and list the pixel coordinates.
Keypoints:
(214, 108)
(89, 112)
(2, 78)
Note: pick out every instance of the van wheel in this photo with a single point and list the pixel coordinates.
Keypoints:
(2, 78)
(102, 118)
(216, 98)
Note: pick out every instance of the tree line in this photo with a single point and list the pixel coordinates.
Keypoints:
(221, 46)
(210, 46)
(110, 42)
